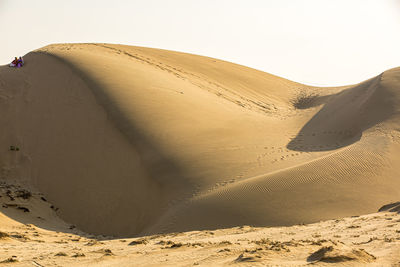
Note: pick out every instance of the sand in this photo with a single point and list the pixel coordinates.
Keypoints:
(127, 142)
(367, 240)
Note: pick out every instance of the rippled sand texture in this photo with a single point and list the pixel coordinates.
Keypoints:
(130, 141)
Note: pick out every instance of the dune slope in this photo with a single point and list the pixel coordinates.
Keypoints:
(130, 140)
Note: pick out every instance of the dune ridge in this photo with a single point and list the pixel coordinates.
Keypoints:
(129, 141)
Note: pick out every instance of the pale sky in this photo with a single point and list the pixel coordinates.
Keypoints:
(317, 42)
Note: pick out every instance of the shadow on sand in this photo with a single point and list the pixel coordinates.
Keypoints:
(168, 174)
(343, 118)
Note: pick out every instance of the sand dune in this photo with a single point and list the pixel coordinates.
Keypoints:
(129, 141)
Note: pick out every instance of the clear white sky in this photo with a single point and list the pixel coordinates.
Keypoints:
(321, 42)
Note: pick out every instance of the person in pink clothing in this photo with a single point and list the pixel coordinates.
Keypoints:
(14, 62)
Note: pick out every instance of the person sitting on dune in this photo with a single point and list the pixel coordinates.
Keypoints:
(20, 62)
(14, 62)
(17, 62)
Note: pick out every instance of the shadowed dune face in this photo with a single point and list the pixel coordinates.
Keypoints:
(129, 140)
(72, 151)
(344, 117)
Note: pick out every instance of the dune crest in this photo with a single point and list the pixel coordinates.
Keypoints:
(129, 141)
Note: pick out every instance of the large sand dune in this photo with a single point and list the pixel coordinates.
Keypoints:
(129, 141)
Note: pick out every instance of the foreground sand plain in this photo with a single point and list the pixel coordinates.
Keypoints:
(129, 141)
(367, 240)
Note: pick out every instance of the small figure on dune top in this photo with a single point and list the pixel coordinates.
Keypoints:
(17, 62)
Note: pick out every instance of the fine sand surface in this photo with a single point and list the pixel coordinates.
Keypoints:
(131, 142)
(367, 240)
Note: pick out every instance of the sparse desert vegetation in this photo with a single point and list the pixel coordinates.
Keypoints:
(304, 100)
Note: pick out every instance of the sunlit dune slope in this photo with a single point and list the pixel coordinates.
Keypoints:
(130, 140)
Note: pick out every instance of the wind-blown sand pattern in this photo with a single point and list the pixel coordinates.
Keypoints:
(126, 142)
